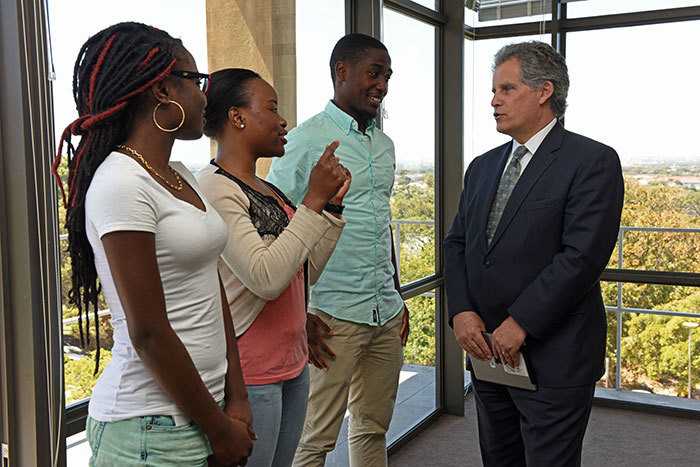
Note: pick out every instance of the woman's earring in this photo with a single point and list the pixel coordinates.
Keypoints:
(169, 130)
(242, 126)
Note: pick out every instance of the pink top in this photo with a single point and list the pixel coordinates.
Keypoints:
(274, 347)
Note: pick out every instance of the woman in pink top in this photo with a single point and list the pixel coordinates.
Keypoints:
(274, 249)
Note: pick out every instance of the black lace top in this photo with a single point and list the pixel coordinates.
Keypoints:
(265, 212)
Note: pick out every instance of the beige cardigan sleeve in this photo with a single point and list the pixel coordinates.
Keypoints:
(266, 269)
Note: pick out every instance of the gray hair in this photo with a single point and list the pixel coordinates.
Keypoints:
(539, 62)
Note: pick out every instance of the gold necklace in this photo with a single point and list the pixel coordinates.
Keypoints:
(145, 163)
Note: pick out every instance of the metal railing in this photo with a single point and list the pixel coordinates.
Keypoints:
(620, 309)
(396, 226)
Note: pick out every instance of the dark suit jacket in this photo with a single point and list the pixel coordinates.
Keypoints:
(543, 266)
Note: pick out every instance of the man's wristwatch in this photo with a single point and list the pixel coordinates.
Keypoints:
(334, 208)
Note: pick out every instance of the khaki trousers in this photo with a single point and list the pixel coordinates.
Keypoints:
(363, 379)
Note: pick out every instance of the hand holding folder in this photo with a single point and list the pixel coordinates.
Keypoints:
(494, 371)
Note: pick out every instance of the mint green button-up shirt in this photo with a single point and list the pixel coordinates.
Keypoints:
(357, 284)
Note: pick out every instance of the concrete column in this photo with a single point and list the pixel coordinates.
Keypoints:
(260, 35)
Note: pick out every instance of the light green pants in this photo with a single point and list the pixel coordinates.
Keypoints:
(146, 441)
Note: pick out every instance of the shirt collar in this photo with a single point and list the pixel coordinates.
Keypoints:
(345, 121)
(534, 143)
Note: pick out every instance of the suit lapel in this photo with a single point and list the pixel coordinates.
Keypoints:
(491, 179)
(534, 170)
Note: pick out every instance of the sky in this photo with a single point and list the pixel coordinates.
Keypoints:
(630, 87)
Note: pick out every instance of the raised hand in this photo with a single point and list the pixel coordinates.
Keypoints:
(325, 180)
(338, 198)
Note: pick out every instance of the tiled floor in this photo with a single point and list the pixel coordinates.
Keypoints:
(415, 399)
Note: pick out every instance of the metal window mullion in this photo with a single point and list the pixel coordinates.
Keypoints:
(647, 311)
(618, 330)
(637, 18)
(416, 11)
(364, 16)
(32, 358)
(448, 182)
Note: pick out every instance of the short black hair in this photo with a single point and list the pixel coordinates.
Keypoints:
(353, 47)
(227, 88)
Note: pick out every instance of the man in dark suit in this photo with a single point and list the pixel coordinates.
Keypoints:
(537, 221)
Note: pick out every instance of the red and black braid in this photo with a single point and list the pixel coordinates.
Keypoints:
(113, 68)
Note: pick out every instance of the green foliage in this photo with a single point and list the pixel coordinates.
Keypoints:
(79, 377)
(420, 348)
(657, 346)
(414, 199)
(654, 348)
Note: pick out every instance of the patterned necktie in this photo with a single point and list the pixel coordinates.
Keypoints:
(505, 188)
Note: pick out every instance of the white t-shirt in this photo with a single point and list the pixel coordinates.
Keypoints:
(123, 197)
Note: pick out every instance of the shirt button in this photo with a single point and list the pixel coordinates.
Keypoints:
(148, 427)
(487, 264)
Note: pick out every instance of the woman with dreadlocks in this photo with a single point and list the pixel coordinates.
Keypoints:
(153, 240)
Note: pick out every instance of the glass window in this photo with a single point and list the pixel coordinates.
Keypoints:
(609, 378)
(654, 345)
(416, 395)
(655, 354)
(409, 119)
(606, 7)
(319, 25)
(432, 4)
(618, 96)
(629, 98)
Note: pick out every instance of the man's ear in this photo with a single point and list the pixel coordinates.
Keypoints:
(161, 91)
(546, 91)
(236, 117)
(341, 71)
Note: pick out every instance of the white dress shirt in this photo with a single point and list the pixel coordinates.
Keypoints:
(532, 145)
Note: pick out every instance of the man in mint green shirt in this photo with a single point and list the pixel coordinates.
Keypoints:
(356, 301)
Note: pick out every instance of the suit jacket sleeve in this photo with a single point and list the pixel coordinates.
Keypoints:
(591, 222)
(455, 272)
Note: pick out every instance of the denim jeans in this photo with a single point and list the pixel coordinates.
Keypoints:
(278, 417)
(140, 441)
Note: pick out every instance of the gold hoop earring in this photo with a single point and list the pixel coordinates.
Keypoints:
(171, 129)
